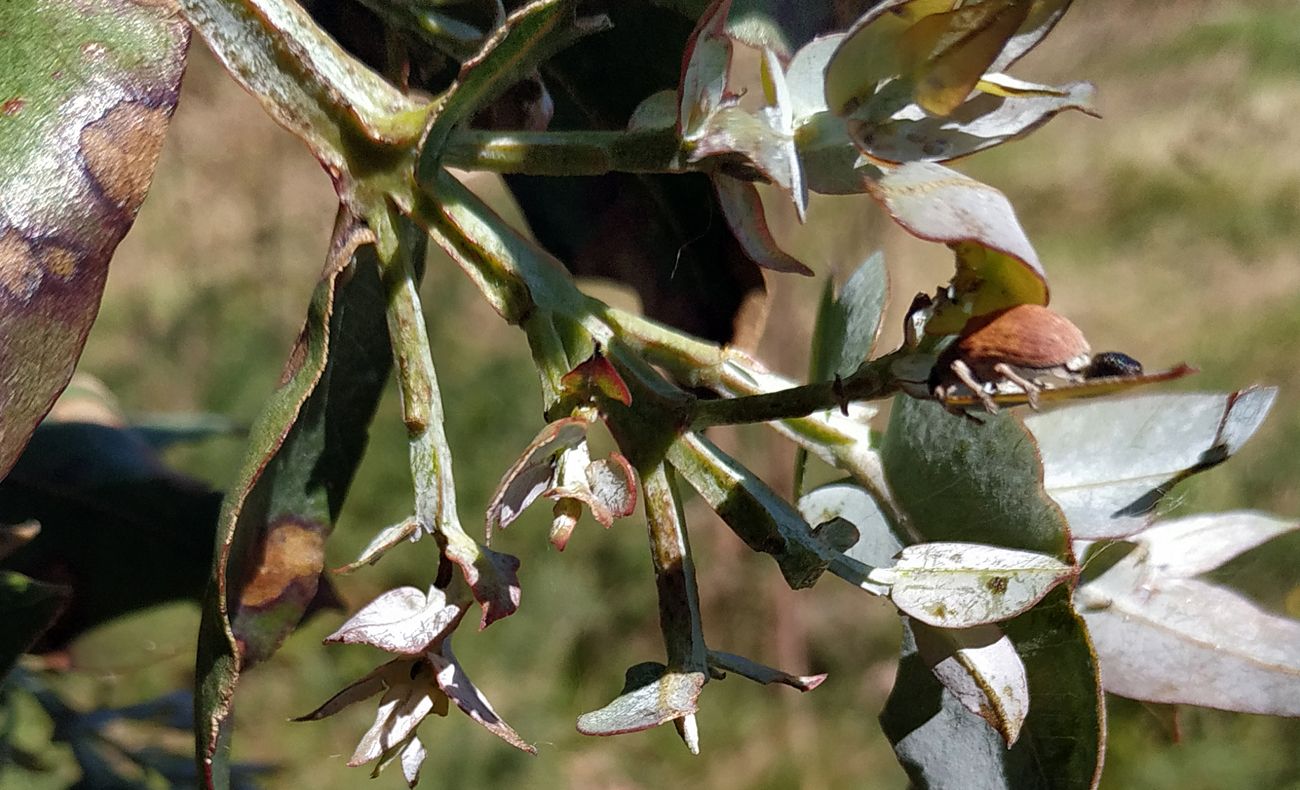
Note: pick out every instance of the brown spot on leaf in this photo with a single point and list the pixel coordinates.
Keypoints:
(13, 106)
(292, 551)
(20, 271)
(996, 584)
(120, 152)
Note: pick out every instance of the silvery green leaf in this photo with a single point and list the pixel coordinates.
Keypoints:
(877, 544)
(959, 585)
(1109, 463)
(1186, 641)
(1187, 547)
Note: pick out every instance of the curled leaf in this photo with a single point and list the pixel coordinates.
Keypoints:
(403, 621)
(651, 696)
(980, 668)
(996, 265)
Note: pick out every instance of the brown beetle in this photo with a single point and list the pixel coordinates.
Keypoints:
(1019, 350)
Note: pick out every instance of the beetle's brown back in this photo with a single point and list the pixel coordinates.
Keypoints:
(1025, 335)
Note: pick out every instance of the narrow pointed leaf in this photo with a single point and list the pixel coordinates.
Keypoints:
(456, 684)
(1109, 464)
(983, 121)
(743, 209)
(530, 475)
(87, 96)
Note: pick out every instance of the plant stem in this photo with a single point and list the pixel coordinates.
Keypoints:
(871, 381)
(435, 487)
(577, 153)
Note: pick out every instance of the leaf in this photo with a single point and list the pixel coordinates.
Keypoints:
(866, 56)
(1189, 546)
(305, 80)
(961, 585)
(946, 54)
(980, 668)
(529, 476)
(153, 532)
(1043, 16)
(848, 323)
(877, 544)
(651, 695)
(27, 608)
(1163, 637)
(943, 745)
(530, 35)
(86, 100)
(996, 265)
(730, 662)
(758, 516)
(1109, 464)
(705, 62)
(806, 76)
(989, 474)
(303, 452)
(743, 209)
(984, 120)
(453, 681)
(402, 621)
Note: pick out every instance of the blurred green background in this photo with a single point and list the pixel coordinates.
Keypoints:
(1170, 229)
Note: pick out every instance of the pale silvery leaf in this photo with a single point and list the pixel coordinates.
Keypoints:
(413, 755)
(403, 621)
(704, 75)
(530, 475)
(742, 208)
(1109, 463)
(1187, 641)
(959, 585)
(1190, 546)
(807, 73)
(983, 121)
(385, 540)
(453, 681)
(651, 696)
(401, 710)
(980, 667)
(877, 544)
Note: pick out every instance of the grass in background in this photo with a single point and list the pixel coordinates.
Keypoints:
(1169, 230)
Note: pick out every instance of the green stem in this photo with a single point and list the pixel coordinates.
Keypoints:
(871, 381)
(435, 487)
(577, 153)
